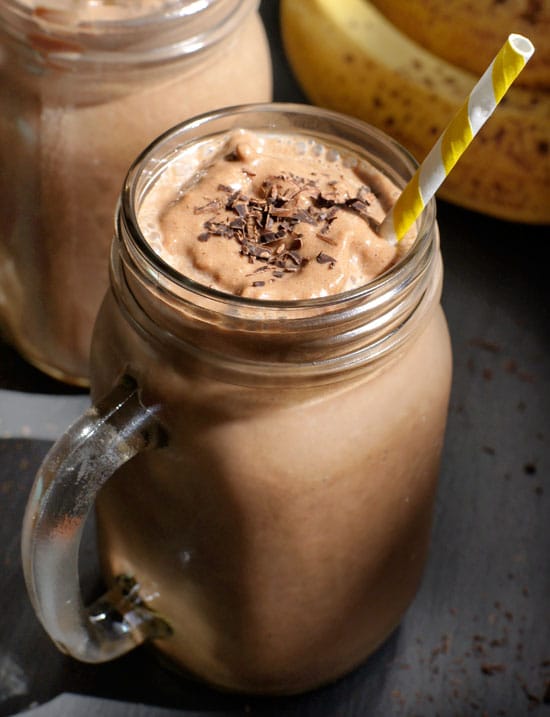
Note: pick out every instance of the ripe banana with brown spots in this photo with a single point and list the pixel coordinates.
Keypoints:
(347, 56)
(469, 33)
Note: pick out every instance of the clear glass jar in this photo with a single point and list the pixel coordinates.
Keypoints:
(82, 91)
(276, 527)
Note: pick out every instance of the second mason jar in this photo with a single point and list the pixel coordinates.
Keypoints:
(82, 90)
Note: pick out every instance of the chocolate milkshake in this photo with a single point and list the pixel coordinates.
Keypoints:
(283, 529)
(271, 217)
(83, 88)
(270, 383)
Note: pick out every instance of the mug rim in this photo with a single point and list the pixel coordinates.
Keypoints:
(185, 28)
(126, 214)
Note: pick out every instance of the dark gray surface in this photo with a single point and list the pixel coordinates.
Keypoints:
(476, 640)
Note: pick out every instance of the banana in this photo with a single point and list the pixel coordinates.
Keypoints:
(347, 56)
(469, 35)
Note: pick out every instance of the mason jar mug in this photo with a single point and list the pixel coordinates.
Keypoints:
(263, 472)
(83, 88)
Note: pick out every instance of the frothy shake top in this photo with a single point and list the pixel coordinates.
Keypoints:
(270, 216)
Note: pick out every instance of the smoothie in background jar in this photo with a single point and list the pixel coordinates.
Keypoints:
(283, 530)
(83, 88)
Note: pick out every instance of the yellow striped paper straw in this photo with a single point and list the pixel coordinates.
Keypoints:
(476, 110)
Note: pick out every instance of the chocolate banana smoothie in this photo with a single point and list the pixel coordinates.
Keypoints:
(271, 217)
(282, 529)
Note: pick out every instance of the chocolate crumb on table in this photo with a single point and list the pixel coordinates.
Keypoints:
(492, 669)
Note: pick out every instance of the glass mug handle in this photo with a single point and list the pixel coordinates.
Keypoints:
(63, 494)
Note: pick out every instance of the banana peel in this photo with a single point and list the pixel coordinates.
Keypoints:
(470, 34)
(348, 57)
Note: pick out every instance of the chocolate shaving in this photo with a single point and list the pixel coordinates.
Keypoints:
(240, 209)
(328, 240)
(266, 228)
(303, 216)
(323, 258)
(295, 257)
(212, 206)
(218, 229)
(268, 237)
(360, 207)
